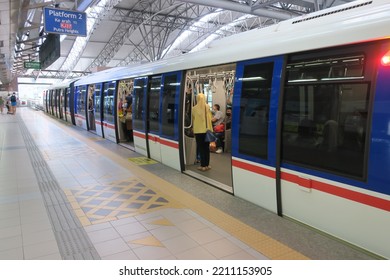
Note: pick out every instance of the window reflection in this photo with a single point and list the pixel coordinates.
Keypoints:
(254, 109)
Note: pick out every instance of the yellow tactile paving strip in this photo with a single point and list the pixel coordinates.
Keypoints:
(264, 244)
(142, 160)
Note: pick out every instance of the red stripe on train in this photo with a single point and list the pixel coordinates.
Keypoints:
(254, 168)
(109, 125)
(138, 134)
(338, 191)
(362, 198)
(169, 143)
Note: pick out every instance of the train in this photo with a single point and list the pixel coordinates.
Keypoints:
(310, 127)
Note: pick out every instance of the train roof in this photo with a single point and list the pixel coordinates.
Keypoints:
(62, 84)
(354, 22)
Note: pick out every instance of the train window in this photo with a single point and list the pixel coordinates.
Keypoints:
(171, 86)
(325, 113)
(98, 89)
(66, 93)
(254, 109)
(81, 100)
(324, 126)
(108, 102)
(139, 89)
(154, 103)
(326, 69)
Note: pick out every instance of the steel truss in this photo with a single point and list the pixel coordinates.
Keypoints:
(55, 74)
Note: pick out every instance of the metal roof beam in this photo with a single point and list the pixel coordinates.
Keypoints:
(234, 6)
(156, 22)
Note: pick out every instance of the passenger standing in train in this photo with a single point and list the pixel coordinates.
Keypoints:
(129, 119)
(129, 98)
(218, 126)
(91, 112)
(1, 104)
(201, 120)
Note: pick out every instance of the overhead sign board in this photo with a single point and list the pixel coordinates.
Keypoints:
(32, 65)
(65, 22)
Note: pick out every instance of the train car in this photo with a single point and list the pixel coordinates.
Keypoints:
(58, 100)
(310, 134)
(95, 105)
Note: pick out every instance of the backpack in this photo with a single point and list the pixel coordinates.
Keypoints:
(13, 98)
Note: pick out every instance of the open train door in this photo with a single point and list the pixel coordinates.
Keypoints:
(139, 115)
(94, 109)
(255, 118)
(163, 118)
(108, 110)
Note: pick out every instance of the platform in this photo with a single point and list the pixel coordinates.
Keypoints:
(68, 194)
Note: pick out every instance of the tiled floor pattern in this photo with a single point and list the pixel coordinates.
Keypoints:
(166, 234)
(116, 200)
(126, 219)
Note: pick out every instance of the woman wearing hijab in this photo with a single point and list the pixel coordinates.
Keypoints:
(201, 120)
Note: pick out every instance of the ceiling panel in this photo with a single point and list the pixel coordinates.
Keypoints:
(82, 64)
(93, 49)
(104, 31)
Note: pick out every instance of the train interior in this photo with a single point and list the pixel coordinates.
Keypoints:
(124, 115)
(217, 84)
(93, 93)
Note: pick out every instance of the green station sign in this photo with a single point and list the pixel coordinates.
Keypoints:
(32, 65)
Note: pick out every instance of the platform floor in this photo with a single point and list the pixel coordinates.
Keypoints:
(67, 194)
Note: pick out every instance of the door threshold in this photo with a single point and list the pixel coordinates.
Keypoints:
(127, 145)
(209, 181)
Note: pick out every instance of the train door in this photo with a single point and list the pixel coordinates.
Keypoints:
(66, 105)
(139, 115)
(54, 104)
(80, 106)
(217, 84)
(71, 103)
(108, 116)
(327, 155)
(97, 109)
(62, 103)
(255, 115)
(153, 117)
(124, 104)
(163, 100)
(57, 105)
(91, 124)
(51, 101)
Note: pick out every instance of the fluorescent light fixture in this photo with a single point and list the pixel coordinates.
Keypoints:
(249, 79)
(303, 80)
(342, 78)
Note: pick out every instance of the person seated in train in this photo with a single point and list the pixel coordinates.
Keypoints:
(218, 126)
(228, 118)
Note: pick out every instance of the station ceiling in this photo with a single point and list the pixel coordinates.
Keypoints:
(123, 32)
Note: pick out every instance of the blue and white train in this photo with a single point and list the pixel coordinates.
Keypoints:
(310, 132)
